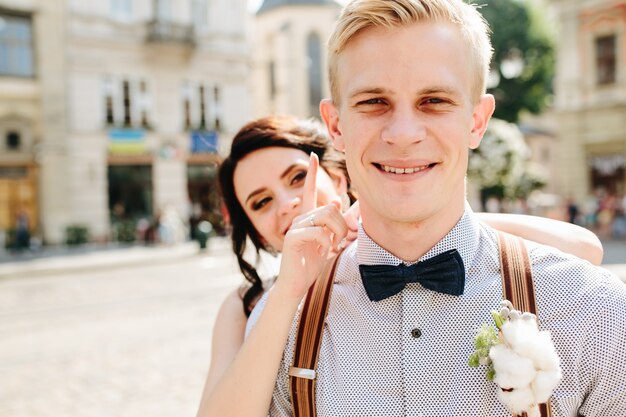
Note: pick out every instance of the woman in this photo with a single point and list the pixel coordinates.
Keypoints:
(266, 187)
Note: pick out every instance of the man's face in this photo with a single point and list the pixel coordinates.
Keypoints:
(406, 120)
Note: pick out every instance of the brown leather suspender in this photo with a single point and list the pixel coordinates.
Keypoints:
(517, 287)
(517, 284)
(309, 340)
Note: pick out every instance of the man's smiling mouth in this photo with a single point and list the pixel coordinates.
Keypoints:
(405, 170)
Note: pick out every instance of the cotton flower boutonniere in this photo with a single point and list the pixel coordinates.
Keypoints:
(520, 359)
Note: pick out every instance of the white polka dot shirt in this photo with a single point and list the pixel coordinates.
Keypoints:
(407, 355)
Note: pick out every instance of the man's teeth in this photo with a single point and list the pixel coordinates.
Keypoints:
(403, 170)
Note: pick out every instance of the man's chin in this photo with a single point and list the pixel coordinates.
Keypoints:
(404, 213)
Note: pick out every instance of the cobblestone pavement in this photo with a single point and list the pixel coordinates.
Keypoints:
(129, 342)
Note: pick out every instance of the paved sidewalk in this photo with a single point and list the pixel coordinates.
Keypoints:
(81, 259)
(106, 258)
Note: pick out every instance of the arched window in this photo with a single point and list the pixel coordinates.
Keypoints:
(314, 54)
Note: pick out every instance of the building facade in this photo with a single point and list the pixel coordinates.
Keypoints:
(121, 109)
(590, 97)
(290, 48)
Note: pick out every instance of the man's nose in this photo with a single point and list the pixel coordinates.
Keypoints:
(405, 127)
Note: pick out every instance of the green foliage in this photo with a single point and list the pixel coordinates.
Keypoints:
(9, 241)
(76, 234)
(483, 341)
(125, 231)
(517, 28)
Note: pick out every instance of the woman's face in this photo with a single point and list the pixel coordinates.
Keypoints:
(268, 184)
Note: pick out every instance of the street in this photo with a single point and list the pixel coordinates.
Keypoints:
(133, 341)
(130, 340)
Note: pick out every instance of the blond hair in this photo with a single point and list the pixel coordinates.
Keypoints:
(360, 15)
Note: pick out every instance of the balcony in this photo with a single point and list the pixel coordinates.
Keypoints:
(169, 32)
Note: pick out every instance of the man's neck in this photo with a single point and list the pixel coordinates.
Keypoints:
(409, 241)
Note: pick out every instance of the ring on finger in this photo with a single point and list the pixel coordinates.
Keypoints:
(312, 220)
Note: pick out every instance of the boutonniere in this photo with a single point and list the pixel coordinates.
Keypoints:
(520, 359)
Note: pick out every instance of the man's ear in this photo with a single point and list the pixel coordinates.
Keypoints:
(481, 115)
(330, 116)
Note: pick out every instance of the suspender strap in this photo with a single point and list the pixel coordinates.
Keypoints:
(517, 275)
(302, 374)
(517, 284)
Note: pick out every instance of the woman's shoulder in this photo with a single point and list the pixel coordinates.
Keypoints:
(232, 310)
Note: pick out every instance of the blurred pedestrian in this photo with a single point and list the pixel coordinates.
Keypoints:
(22, 230)
(572, 211)
(619, 220)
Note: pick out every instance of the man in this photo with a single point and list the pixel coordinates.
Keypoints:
(408, 102)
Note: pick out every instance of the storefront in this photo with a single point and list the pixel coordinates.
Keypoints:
(202, 182)
(607, 172)
(130, 183)
(19, 214)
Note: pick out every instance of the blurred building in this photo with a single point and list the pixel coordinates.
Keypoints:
(539, 135)
(289, 45)
(591, 96)
(113, 110)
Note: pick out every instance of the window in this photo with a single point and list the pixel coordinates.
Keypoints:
(122, 9)
(314, 53)
(143, 104)
(200, 14)
(130, 191)
(163, 11)
(606, 59)
(216, 107)
(187, 96)
(201, 109)
(16, 46)
(127, 102)
(108, 101)
(13, 140)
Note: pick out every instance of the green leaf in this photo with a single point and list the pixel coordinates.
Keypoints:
(474, 360)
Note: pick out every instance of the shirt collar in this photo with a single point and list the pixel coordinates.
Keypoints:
(463, 237)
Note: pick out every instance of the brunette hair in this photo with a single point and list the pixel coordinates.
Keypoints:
(276, 131)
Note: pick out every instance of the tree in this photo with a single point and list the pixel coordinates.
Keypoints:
(523, 60)
(500, 166)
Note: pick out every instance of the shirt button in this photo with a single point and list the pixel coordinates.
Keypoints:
(416, 333)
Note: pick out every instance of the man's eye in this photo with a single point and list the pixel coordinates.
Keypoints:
(261, 203)
(372, 101)
(434, 100)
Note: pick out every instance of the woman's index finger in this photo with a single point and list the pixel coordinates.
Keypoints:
(309, 196)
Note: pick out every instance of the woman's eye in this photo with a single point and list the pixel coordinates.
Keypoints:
(261, 203)
(298, 178)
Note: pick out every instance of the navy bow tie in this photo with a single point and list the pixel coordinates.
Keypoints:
(443, 273)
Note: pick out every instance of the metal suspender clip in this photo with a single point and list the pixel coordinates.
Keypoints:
(302, 373)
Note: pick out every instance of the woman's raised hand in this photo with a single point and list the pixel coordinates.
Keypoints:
(314, 236)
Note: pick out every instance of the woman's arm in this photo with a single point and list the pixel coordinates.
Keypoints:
(564, 236)
(245, 389)
(228, 335)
